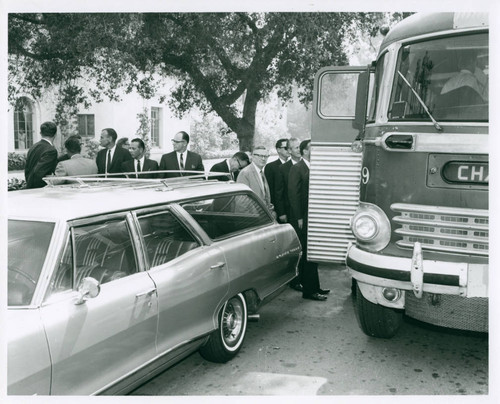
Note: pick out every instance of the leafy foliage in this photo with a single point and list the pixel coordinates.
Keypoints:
(225, 63)
(16, 161)
(14, 184)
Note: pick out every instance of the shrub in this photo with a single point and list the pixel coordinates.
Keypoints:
(16, 161)
(14, 184)
(90, 148)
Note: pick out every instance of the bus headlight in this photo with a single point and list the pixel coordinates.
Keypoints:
(371, 227)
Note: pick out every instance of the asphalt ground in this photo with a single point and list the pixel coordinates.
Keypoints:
(303, 347)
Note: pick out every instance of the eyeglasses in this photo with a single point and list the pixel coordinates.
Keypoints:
(177, 141)
(282, 147)
(239, 164)
(262, 156)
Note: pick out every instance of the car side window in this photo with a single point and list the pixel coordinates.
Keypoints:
(228, 214)
(102, 251)
(165, 238)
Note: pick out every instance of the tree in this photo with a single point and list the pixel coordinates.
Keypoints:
(224, 62)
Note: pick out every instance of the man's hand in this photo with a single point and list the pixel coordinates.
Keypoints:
(300, 223)
(282, 218)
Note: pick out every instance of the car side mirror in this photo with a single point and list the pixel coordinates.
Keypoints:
(87, 289)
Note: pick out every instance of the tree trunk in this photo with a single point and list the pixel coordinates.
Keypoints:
(246, 127)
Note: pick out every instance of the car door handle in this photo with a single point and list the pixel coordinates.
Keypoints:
(219, 265)
(146, 293)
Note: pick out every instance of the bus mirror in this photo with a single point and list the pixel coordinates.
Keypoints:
(361, 102)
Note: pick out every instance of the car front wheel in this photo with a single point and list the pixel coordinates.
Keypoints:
(225, 342)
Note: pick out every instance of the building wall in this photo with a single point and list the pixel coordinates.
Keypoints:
(121, 116)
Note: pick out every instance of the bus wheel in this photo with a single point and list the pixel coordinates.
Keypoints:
(376, 320)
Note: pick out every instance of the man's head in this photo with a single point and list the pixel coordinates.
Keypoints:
(260, 156)
(282, 150)
(123, 142)
(180, 141)
(48, 129)
(137, 148)
(293, 147)
(239, 161)
(73, 145)
(305, 149)
(108, 138)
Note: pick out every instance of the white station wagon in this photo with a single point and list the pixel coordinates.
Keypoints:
(110, 283)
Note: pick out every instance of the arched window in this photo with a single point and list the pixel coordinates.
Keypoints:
(23, 124)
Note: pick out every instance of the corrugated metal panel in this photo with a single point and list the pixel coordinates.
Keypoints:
(333, 200)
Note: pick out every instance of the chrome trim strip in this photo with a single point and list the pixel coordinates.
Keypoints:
(405, 220)
(433, 142)
(442, 210)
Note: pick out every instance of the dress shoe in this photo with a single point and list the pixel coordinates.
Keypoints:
(323, 291)
(297, 287)
(314, 296)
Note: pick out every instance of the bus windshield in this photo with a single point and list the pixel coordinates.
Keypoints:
(449, 74)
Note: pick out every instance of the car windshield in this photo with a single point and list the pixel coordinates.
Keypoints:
(28, 245)
(450, 75)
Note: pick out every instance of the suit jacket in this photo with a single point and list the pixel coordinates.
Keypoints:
(149, 165)
(221, 167)
(271, 172)
(119, 157)
(76, 165)
(298, 191)
(192, 162)
(41, 161)
(282, 204)
(249, 176)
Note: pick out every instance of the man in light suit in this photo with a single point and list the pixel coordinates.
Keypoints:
(180, 159)
(233, 165)
(109, 160)
(253, 176)
(76, 164)
(298, 195)
(140, 164)
(42, 157)
(271, 169)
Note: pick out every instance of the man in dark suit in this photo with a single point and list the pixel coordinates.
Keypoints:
(41, 159)
(140, 164)
(109, 160)
(298, 195)
(233, 166)
(181, 159)
(271, 169)
(281, 204)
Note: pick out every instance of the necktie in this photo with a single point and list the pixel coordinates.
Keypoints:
(264, 188)
(108, 161)
(182, 163)
(138, 168)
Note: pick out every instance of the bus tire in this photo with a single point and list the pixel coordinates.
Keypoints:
(376, 320)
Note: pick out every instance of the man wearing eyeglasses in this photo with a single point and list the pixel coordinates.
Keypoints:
(271, 169)
(232, 166)
(180, 159)
(253, 176)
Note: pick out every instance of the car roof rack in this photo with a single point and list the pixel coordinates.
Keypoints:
(116, 180)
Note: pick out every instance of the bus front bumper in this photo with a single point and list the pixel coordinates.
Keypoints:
(417, 274)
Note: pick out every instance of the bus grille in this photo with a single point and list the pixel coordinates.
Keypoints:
(453, 230)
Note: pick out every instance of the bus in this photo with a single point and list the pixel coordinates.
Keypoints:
(399, 175)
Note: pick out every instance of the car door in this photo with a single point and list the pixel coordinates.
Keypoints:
(258, 252)
(96, 343)
(191, 277)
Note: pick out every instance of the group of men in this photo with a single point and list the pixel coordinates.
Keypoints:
(283, 185)
(42, 159)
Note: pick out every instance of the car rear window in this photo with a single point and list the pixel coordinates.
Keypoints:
(28, 245)
(228, 214)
